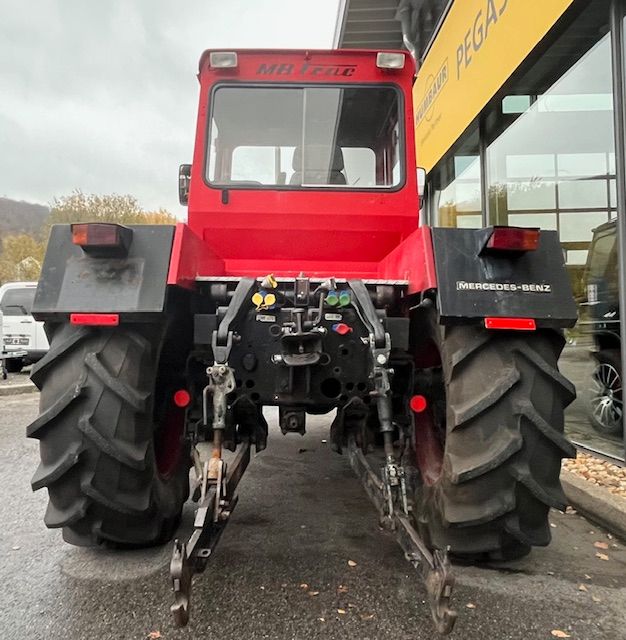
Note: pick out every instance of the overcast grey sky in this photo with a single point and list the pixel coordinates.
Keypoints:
(101, 95)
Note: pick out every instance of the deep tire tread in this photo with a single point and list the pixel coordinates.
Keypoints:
(48, 474)
(56, 518)
(551, 371)
(494, 455)
(464, 352)
(127, 504)
(40, 368)
(129, 395)
(525, 408)
(553, 497)
(504, 444)
(473, 407)
(53, 411)
(96, 430)
(133, 456)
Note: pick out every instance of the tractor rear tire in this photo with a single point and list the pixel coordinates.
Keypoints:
(113, 456)
(489, 495)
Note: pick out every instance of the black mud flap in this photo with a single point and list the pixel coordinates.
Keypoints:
(474, 284)
(73, 281)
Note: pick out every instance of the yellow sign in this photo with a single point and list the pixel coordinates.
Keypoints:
(478, 47)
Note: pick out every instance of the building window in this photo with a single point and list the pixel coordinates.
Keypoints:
(553, 165)
(457, 197)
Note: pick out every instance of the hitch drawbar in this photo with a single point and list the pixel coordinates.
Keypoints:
(218, 498)
(434, 566)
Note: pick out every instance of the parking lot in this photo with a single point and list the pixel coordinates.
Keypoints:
(281, 569)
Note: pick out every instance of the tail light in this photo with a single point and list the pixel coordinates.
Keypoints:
(105, 239)
(512, 239)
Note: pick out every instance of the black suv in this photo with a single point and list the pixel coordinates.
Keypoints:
(600, 315)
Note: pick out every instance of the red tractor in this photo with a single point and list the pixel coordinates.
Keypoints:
(303, 280)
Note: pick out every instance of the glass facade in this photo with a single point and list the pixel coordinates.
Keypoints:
(457, 186)
(543, 154)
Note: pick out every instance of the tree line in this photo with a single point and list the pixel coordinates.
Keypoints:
(21, 254)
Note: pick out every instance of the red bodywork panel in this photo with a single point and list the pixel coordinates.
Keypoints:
(413, 261)
(191, 258)
(369, 233)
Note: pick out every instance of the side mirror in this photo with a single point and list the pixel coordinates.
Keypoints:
(184, 180)
(421, 185)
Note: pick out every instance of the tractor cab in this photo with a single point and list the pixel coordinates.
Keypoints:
(310, 147)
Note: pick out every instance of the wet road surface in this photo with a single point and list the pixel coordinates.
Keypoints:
(301, 516)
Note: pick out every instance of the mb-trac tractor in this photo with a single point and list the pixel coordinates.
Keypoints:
(304, 280)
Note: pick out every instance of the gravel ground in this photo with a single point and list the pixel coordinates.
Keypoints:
(599, 472)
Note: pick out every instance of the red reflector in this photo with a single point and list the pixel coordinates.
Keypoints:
(418, 404)
(96, 319)
(513, 239)
(515, 324)
(182, 398)
(96, 234)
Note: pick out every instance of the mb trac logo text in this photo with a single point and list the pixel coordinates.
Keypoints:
(306, 69)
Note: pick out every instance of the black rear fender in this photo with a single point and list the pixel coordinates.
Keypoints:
(133, 285)
(474, 283)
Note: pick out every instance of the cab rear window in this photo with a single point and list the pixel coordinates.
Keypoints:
(299, 137)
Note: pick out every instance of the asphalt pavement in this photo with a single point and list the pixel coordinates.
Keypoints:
(281, 569)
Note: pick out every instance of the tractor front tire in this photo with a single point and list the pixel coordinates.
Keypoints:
(113, 456)
(501, 442)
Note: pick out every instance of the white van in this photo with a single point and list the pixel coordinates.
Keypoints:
(21, 332)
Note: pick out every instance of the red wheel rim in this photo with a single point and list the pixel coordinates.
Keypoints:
(429, 433)
(168, 444)
(428, 447)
